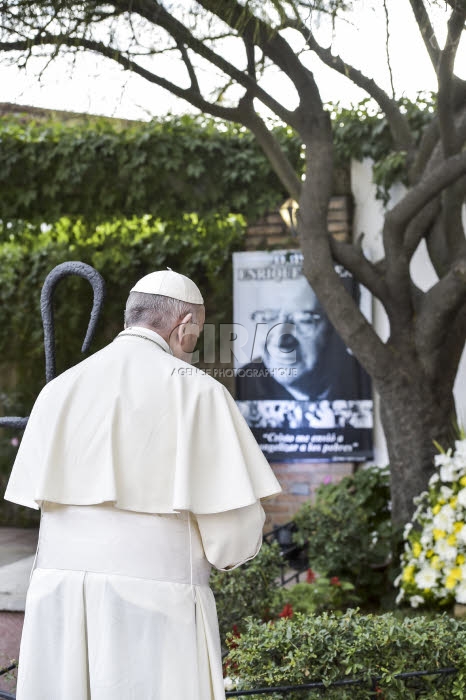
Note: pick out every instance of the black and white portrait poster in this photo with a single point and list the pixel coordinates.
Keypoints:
(302, 393)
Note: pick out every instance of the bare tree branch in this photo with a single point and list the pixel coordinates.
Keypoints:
(398, 123)
(445, 234)
(190, 95)
(445, 81)
(387, 47)
(249, 46)
(242, 113)
(417, 228)
(402, 213)
(154, 12)
(275, 47)
(448, 354)
(271, 147)
(427, 31)
(426, 151)
(456, 4)
(453, 199)
(360, 267)
(189, 68)
(439, 307)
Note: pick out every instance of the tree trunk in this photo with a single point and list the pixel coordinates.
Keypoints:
(415, 412)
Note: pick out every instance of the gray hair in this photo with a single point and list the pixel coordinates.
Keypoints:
(157, 311)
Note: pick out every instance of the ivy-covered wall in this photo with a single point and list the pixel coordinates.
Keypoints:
(99, 169)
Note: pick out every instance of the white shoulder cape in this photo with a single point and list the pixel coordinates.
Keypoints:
(136, 426)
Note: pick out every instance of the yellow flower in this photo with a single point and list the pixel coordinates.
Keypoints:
(436, 562)
(442, 501)
(417, 549)
(453, 501)
(436, 509)
(408, 574)
(429, 553)
(457, 527)
(453, 577)
(463, 481)
(460, 559)
(438, 534)
(451, 539)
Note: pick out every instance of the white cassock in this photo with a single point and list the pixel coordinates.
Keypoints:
(146, 475)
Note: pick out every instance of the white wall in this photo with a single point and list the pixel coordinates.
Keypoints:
(368, 222)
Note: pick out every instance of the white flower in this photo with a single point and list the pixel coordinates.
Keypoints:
(400, 596)
(460, 449)
(446, 492)
(416, 601)
(445, 518)
(459, 462)
(426, 577)
(441, 593)
(420, 500)
(407, 530)
(442, 458)
(421, 560)
(449, 525)
(446, 551)
(427, 537)
(460, 593)
(448, 472)
(229, 683)
(417, 513)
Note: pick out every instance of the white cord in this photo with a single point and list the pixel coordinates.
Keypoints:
(37, 548)
(191, 557)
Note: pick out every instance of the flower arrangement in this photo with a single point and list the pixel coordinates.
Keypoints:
(434, 557)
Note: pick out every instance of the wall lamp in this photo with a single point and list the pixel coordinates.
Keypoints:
(288, 212)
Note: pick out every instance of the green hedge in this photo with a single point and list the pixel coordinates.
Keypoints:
(100, 168)
(251, 589)
(330, 648)
(123, 250)
(347, 531)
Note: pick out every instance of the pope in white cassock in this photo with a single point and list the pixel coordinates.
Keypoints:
(146, 475)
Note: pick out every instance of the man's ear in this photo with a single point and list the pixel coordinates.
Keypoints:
(182, 325)
(187, 318)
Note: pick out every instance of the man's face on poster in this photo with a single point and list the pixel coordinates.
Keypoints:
(297, 329)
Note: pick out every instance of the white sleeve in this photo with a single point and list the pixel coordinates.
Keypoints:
(232, 537)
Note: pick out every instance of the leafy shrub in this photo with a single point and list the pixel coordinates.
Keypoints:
(249, 590)
(329, 648)
(320, 594)
(348, 531)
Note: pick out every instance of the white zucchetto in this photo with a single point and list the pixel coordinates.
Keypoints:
(172, 284)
